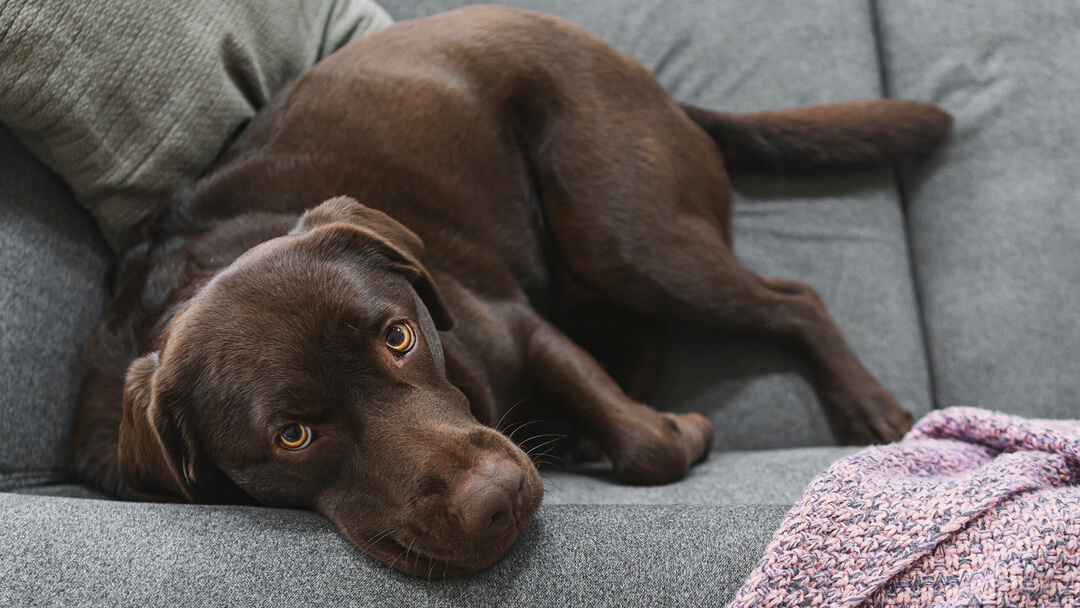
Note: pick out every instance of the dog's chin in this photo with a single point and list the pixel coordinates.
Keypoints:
(411, 550)
(415, 554)
(412, 556)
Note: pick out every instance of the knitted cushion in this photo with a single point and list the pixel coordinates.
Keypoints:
(129, 100)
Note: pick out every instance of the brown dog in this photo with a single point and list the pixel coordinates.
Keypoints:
(354, 358)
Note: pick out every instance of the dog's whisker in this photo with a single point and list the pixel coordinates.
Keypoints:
(505, 414)
(547, 460)
(553, 484)
(546, 463)
(535, 455)
(547, 456)
(405, 553)
(521, 426)
(537, 447)
(532, 449)
(551, 456)
(556, 435)
(541, 436)
(391, 565)
(377, 537)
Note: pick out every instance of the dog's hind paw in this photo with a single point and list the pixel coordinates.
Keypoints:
(877, 419)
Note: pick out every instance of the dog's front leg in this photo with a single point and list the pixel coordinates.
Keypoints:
(645, 446)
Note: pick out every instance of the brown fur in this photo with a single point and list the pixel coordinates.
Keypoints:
(525, 189)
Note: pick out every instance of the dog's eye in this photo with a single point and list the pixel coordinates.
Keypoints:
(295, 437)
(399, 338)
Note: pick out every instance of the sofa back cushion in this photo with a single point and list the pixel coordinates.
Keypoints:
(52, 291)
(996, 216)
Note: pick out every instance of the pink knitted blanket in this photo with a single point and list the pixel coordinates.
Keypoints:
(972, 508)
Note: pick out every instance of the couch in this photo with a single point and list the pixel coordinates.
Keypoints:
(956, 278)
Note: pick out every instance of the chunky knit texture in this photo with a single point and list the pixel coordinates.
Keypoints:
(972, 508)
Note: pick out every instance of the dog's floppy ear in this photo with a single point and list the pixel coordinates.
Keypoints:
(400, 247)
(155, 457)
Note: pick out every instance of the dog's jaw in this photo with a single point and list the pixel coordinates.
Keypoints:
(407, 547)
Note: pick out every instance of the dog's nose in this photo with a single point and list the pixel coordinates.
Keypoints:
(488, 500)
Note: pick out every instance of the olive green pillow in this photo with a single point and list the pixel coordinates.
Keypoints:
(129, 100)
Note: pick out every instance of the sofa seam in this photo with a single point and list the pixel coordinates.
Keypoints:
(14, 480)
(913, 272)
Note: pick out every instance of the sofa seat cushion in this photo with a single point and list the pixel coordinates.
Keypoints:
(79, 552)
(689, 543)
(726, 478)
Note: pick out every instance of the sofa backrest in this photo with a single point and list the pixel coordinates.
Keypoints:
(995, 220)
(53, 261)
(985, 254)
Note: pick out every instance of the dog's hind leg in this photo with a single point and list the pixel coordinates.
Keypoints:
(639, 205)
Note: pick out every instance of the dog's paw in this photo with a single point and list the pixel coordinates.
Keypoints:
(697, 434)
(876, 419)
(663, 450)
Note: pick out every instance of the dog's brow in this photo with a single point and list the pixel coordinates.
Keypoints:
(361, 326)
(291, 404)
(372, 320)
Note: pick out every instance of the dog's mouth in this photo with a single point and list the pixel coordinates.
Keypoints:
(410, 558)
(414, 555)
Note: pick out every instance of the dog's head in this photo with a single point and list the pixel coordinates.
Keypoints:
(309, 373)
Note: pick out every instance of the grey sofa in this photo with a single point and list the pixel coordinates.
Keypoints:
(957, 280)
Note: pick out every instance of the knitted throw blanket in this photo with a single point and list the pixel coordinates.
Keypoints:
(972, 508)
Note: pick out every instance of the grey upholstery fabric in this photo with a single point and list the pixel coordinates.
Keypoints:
(996, 216)
(69, 552)
(843, 234)
(596, 543)
(52, 290)
(130, 100)
(726, 478)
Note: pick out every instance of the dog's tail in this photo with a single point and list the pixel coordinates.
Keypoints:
(856, 133)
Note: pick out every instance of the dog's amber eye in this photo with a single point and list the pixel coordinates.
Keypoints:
(295, 436)
(399, 338)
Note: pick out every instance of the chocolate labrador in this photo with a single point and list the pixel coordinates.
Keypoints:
(426, 229)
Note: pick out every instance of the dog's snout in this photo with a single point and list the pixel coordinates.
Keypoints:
(488, 500)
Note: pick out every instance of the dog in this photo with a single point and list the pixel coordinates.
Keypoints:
(408, 247)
